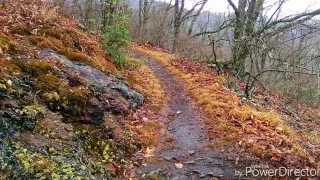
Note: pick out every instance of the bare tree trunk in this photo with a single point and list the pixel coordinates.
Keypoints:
(244, 32)
(176, 25)
(146, 7)
(140, 19)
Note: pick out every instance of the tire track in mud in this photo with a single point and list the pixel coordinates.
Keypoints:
(187, 127)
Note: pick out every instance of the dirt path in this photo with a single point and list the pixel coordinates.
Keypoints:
(187, 127)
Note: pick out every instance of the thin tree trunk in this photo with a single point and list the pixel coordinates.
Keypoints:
(145, 19)
(140, 21)
(176, 26)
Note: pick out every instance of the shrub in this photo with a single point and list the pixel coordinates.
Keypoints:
(113, 39)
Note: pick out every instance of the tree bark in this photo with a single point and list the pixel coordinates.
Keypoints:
(176, 26)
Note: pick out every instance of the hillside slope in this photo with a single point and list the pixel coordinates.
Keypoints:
(62, 100)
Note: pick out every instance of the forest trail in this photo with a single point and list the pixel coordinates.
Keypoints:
(188, 155)
(215, 132)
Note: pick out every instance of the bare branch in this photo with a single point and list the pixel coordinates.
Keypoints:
(224, 25)
(233, 7)
(294, 18)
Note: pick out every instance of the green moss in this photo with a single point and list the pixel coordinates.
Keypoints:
(31, 115)
(86, 130)
(99, 149)
(50, 83)
(75, 56)
(21, 29)
(7, 45)
(41, 41)
(34, 67)
(52, 96)
(31, 111)
(46, 42)
(55, 33)
(73, 100)
(48, 133)
(38, 166)
(8, 67)
(3, 87)
(76, 99)
(62, 48)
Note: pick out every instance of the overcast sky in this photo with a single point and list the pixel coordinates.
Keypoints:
(291, 7)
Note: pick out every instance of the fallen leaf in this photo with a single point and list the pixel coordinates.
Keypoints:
(275, 156)
(111, 168)
(274, 150)
(34, 32)
(149, 152)
(280, 128)
(9, 83)
(179, 165)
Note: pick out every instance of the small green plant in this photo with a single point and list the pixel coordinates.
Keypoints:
(114, 38)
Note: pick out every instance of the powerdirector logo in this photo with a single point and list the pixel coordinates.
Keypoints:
(265, 171)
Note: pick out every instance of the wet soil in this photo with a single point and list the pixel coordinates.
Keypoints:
(189, 146)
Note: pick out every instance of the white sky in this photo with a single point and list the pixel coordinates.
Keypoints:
(291, 7)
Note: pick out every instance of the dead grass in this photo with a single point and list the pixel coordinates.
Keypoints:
(265, 132)
(143, 79)
(148, 133)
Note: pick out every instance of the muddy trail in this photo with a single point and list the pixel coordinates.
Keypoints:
(189, 147)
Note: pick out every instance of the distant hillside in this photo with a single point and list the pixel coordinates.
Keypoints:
(205, 18)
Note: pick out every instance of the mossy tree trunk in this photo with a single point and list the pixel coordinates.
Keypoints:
(246, 14)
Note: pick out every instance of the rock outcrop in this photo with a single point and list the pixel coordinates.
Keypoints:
(109, 88)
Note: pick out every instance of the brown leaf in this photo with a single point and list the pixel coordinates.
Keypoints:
(149, 152)
(237, 161)
(179, 165)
